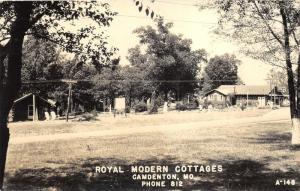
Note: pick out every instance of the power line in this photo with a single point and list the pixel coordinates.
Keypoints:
(175, 3)
(208, 24)
(167, 19)
(50, 81)
(77, 81)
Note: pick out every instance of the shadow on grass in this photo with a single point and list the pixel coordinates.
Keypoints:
(236, 175)
(252, 175)
(277, 140)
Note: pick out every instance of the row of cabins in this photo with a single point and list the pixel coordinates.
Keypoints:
(34, 107)
(259, 96)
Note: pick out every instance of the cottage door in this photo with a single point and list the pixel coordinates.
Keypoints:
(261, 101)
(215, 97)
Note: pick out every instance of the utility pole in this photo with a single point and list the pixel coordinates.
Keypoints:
(247, 97)
(33, 108)
(274, 94)
(269, 79)
(69, 100)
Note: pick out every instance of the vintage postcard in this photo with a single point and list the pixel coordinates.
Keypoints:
(150, 95)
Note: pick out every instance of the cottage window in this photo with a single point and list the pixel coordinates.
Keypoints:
(30, 111)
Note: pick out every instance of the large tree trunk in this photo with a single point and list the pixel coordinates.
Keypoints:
(4, 134)
(296, 121)
(294, 109)
(3, 54)
(293, 106)
(11, 84)
(295, 131)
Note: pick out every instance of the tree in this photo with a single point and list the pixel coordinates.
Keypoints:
(42, 60)
(47, 20)
(138, 79)
(221, 70)
(270, 32)
(278, 78)
(108, 84)
(170, 62)
(135, 86)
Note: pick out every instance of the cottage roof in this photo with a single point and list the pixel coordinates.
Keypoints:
(216, 90)
(244, 90)
(51, 102)
(22, 98)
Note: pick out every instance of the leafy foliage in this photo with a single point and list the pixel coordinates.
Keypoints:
(258, 25)
(58, 22)
(41, 60)
(139, 4)
(278, 78)
(54, 21)
(140, 107)
(168, 59)
(108, 83)
(181, 107)
(221, 70)
(52, 27)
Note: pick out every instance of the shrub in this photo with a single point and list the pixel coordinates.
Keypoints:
(220, 106)
(160, 100)
(243, 107)
(181, 107)
(252, 103)
(207, 103)
(127, 110)
(89, 116)
(94, 112)
(153, 109)
(140, 107)
(192, 105)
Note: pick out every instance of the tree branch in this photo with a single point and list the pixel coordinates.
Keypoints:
(267, 24)
(54, 41)
(4, 39)
(293, 32)
(35, 19)
(277, 65)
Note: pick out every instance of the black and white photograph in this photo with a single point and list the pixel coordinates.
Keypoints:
(130, 95)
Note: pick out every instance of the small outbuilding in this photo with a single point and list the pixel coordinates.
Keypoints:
(32, 107)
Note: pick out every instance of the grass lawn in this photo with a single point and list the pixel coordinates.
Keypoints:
(253, 155)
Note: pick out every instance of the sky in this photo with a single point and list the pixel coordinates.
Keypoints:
(188, 21)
